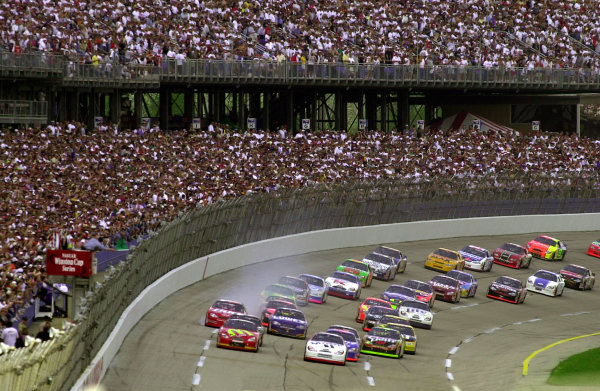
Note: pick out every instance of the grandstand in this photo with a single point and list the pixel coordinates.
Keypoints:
(99, 102)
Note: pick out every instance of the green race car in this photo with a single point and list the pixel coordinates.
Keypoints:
(279, 290)
(358, 268)
(383, 341)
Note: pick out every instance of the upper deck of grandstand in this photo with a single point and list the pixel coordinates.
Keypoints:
(490, 33)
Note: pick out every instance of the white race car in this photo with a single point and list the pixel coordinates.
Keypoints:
(318, 288)
(417, 313)
(477, 258)
(546, 282)
(383, 267)
(326, 347)
(344, 284)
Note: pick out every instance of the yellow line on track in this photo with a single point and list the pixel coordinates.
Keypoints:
(532, 355)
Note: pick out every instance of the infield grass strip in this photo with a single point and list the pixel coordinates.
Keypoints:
(581, 369)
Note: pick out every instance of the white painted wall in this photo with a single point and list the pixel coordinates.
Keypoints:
(320, 241)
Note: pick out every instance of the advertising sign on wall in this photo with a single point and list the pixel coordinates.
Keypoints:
(69, 263)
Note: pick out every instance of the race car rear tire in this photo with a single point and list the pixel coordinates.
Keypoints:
(305, 359)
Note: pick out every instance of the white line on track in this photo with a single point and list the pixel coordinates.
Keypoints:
(492, 330)
(448, 363)
(207, 344)
(449, 374)
(455, 388)
(468, 340)
(196, 379)
(453, 350)
(464, 306)
(215, 331)
(367, 366)
(533, 320)
(575, 313)
(371, 381)
(201, 361)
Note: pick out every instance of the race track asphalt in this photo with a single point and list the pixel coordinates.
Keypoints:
(476, 344)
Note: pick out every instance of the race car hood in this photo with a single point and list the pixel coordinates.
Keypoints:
(315, 288)
(376, 340)
(239, 333)
(325, 345)
(471, 257)
(504, 287)
(288, 320)
(339, 283)
(538, 246)
(569, 274)
(397, 296)
(541, 282)
(447, 288)
(412, 310)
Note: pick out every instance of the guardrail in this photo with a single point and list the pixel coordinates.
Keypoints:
(73, 71)
(252, 218)
(23, 111)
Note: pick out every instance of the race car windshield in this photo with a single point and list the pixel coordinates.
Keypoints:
(293, 282)
(459, 276)
(390, 319)
(419, 286)
(390, 252)
(288, 313)
(385, 333)
(546, 241)
(446, 253)
(240, 324)
(401, 290)
(346, 335)
(513, 248)
(416, 304)
(444, 280)
(374, 302)
(474, 251)
(356, 265)
(575, 269)
(380, 311)
(282, 290)
(226, 305)
(545, 275)
(279, 304)
(344, 276)
(248, 318)
(312, 280)
(509, 282)
(405, 330)
(328, 337)
(379, 259)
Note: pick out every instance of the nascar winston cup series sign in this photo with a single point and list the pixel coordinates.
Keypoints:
(69, 263)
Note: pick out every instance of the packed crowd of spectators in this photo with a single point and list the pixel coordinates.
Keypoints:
(489, 33)
(108, 185)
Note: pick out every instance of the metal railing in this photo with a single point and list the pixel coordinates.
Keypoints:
(57, 364)
(23, 111)
(39, 61)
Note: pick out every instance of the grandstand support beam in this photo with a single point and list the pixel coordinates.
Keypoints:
(165, 108)
(219, 105)
(371, 109)
(188, 107)
(91, 109)
(578, 119)
(404, 109)
(74, 106)
(291, 116)
(267, 110)
(338, 110)
(241, 112)
(51, 97)
(137, 106)
(384, 111)
(115, 106)
(313, 110)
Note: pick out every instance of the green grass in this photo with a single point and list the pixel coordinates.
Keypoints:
(581, 369)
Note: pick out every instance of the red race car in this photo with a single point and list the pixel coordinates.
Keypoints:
(239, 334)
(368, 303)
(594, 249)
(512, 255)
(446, 288)
(270, 305)
(219, 312)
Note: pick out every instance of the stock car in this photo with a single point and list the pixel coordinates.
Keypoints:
(317, 286)
(359, 269)
(383, 267)
(446, 288)
(221, 310)
(289, 322)
(300, 288)
(477, 258)
(393, 319)
(546, 282)
(326, 347)
(239, 334)
(399, 259)
(417, 313)
(344, 285)
(374, 314)
(396, 294)
(270, 305)
(279, 290)
(408, 333)
(382, 341)
(365, 305)
(578, 277)
(345, 328)
(424, 291)
(254, 319)
(512, 255)
(546, 247)
(352, 342)
(444, 260)
(468, 283)
(507, 289)
(594, 249)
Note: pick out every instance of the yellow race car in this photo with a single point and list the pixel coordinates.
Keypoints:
(444, 260)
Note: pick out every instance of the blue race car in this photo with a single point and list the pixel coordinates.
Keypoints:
(352, 343)
(399, 259)
(477, 258)
(318, 288)
(468, 283)
(288, 322)
(396, 294)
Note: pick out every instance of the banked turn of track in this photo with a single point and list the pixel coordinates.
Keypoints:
(477, 344)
